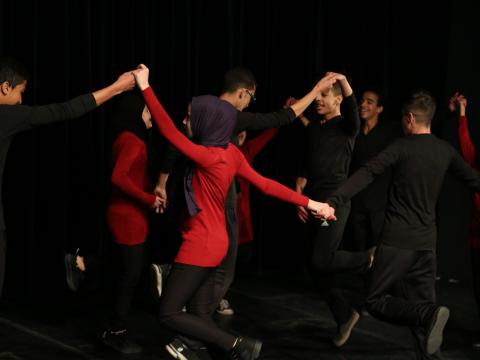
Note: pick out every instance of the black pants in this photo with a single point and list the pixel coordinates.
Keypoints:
(323, 244)
(401, 291)
(3, 254)
(366, 228)
(131, 262)
(192, 286)
(225, 273)
(475, 254)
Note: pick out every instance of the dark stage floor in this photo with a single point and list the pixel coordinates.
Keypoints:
(285, 313)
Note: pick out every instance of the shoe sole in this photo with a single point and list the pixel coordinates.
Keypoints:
(68, 268)
(344, 339)
(435, 337)
(172, 351)
(157, 276)
(225, 312)
(257, 348)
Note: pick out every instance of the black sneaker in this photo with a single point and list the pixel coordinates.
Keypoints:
(435, 329)
(74, 274)
(118, 340)
(179, 350)
(344, 330)
(246, 349)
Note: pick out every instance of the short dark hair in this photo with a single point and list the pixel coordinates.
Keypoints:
(12, 71)
(237, 78)
(337, 89)
(378, 93)
(422, 104)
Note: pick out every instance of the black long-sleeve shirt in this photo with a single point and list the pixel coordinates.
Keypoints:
(374, 196)
(16, 118)
(329, 148)
(419, 163)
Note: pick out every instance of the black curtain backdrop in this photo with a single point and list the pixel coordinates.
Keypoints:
(57, 177)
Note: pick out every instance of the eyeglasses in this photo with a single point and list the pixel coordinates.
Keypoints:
(252, 97)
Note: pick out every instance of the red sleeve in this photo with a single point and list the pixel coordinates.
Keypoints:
(197, 153)
(466, 144)
(254, 146)
(128, 154)
(268, 186)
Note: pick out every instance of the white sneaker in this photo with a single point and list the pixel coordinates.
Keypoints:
(224, 308)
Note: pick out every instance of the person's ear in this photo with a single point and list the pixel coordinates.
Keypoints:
(379, 109)
(5, 88)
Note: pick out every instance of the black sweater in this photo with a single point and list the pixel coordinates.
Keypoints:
(16, 118)
(328, 151)
(373, 197)
(418, 164)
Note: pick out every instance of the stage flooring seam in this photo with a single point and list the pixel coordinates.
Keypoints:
(49, 339)
(316, 315)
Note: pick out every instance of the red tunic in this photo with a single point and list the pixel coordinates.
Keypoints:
(249, 149)
(127, 210)
(205, 239)
(468, 152)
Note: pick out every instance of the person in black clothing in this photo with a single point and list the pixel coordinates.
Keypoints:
(15, 117)
(401, 289)
(366, 219)
(239, 90)
(329, 146)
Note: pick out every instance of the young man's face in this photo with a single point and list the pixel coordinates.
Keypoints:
(12, 96)
(369, 108)
(147, 117)
(327, 102)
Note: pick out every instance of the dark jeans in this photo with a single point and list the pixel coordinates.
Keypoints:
(401, 291)
(131, 262)
(192, 286)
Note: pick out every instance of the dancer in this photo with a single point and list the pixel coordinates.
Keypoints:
(401, 289)
(205, 240)
(17, 117)
(469, 154)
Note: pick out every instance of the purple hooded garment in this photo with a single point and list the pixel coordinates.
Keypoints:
(213, 122)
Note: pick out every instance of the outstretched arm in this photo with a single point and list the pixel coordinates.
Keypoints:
(259, 121)
(125, 82)
(279, 191)
(197, 153)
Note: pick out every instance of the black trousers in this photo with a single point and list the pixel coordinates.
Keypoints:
(323, 243)
(401, 291)
(3, 255)
(192, 286)
(475, 254)
(131, 263)
(365, 227)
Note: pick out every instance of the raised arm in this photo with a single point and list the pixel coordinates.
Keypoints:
(351, 118)
(197, 153)
(258, 121)
(466, 144)
(26, 117)
(125, 82)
